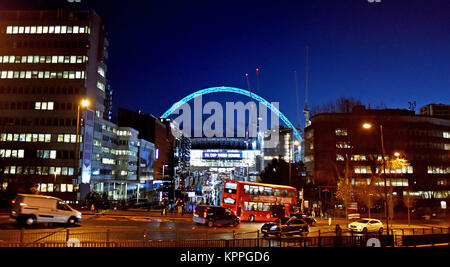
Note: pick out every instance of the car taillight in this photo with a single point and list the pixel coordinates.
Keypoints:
(204, 214)
(13, 202)
(22, 204)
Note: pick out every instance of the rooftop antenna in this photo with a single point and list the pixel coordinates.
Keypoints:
(306, 110)
(412, 106)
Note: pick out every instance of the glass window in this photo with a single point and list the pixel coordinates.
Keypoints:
(277, 192)
(231, 188)
(253, 190)
(260, 206)
(229, 200)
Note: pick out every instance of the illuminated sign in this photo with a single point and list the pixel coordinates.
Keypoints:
(222, 155)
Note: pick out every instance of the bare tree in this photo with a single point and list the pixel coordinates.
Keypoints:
(345, 189)
(341, 105)
(409, 202)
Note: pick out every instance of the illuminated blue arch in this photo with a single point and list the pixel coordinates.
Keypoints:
(224, 89)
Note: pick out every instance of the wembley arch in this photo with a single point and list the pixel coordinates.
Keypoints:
(224, 89)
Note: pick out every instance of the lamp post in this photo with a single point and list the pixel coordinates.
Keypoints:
(368, 126)
(83, 104)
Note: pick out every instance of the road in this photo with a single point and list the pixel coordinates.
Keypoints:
(153, 226)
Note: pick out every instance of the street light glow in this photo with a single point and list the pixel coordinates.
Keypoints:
(367, 126)
(85, 103)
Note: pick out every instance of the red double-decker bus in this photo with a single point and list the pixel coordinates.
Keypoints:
(254, 201)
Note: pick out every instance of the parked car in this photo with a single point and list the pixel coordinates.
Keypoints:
(215, 215)
(31, 209)
(366, 225)
(285, 226)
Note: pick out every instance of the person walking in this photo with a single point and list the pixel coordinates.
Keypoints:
(179, 205)
(163, 206)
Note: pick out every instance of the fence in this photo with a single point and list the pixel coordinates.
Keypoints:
(156, 238)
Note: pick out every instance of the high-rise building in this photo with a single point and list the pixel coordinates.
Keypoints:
(337, 143)
(50, 60)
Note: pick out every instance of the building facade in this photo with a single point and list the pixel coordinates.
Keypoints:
(333, 139)
(436, 110)
(50, 61)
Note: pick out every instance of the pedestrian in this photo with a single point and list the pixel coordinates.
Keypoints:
(182, 207)
(179, 205)
(163, 206)
(93, 207)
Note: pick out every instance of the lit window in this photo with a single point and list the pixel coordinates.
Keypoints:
(101, 71)
(100, 86)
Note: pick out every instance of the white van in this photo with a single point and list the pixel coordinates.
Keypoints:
(31, 209)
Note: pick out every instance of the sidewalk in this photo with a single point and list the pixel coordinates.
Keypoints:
(138, 212)
(396, 223)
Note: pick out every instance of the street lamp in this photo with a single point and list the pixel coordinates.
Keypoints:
(83, 104)
(368, 126)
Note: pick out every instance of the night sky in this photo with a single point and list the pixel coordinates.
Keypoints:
(386, 53)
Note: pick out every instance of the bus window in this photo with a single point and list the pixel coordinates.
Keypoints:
(246, 206)
(229, 200)
(246, 189)
(291, 193)
(266, 207)
(253, 206)
(276, 192)
(261, 190)
(267, 191)
(231, 188)
(284, 193)
(253, 190)
(260, 206)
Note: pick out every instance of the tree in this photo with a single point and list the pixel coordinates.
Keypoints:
(409, 202)
(396, 165)
(345, 189)
(341, 105)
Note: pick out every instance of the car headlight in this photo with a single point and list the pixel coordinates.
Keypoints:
(349, 226)
(359, 226)
(274, 228)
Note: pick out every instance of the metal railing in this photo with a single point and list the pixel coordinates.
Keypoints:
(172, 238)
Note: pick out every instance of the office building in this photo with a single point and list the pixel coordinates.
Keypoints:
(333, 139)
(50, 61)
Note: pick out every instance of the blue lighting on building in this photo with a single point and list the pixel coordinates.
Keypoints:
(225, 89)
